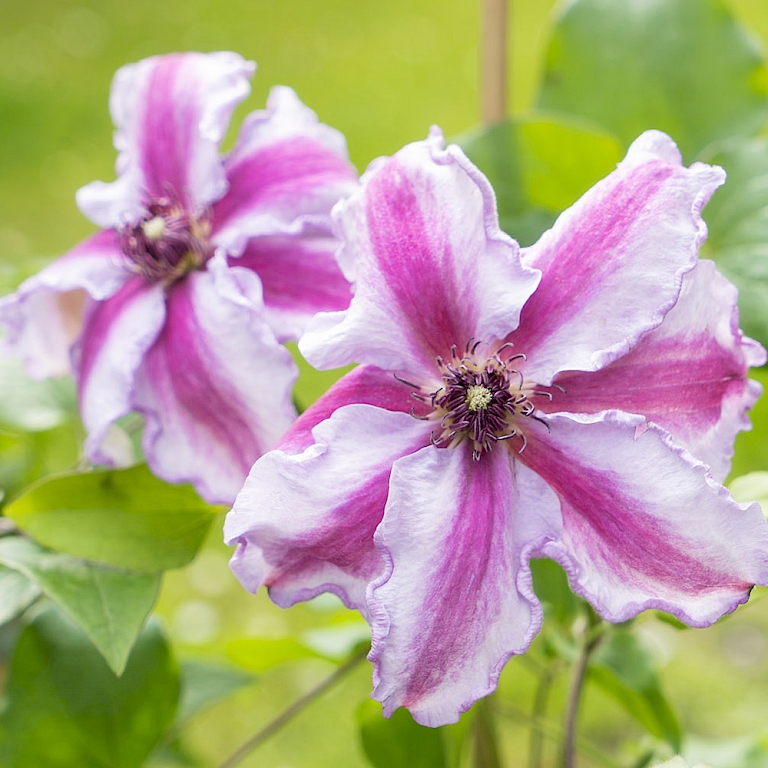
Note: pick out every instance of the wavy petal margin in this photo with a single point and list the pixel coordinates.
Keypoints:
(430, 265)
(171, 114)
(285, 165)
(365, 384)
(299, 277)
(456, 599)
(215, 387)
(117, 334)
(612, 264)
(304, 522)
(44, 318)
(689, 375)
(644, 524)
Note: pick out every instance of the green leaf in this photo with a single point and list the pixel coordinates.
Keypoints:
(33, 406)
(262, 653)
(751, 450)
(338, 641)
(683, 66)
(398, 742)
(203, 684)
(108, 603)
(551, 587)
(27, 456)
(538, 166)
(738, 228)
(174, 754)
(624, 669)
(670, 620)
(17, 593)
(751, 487)
(126, 518)
(65, 708)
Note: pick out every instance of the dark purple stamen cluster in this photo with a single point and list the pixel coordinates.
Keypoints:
(483, 402)
(168, 242)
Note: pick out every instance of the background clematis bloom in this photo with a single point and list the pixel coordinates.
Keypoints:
(576, 400)
(204, 265)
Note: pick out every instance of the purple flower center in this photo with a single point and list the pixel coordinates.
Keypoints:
(482, 399)
(168, 242)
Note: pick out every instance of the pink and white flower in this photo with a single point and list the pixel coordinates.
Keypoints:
(205, 264)
(576, 400)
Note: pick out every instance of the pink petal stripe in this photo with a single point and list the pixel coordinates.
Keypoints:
(455, 601)
(44, 317)
(689, 375)
(364, 384)
(171, 114)
(299, 277)
(431, 266)
(639, 227)
(293, 176)
(306, 521)
(116, 335)
(216, 386)
(285, 116)
(644, 525)
(285, 165)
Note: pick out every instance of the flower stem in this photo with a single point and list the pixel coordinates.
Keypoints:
(589, 640)
(294, 709)
(554, 732)
(536, 743)
(486, 749)
(493, 68)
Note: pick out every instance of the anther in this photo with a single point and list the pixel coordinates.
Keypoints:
(406, 382)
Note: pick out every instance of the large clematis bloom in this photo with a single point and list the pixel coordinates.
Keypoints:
(205, 264)
(576, 400)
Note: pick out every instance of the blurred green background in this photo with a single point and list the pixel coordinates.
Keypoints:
(381, 72)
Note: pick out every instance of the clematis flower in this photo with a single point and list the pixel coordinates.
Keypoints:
(205, 264)
(576, 400)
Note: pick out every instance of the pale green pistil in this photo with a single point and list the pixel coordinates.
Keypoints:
(154, 229)
(478, 398)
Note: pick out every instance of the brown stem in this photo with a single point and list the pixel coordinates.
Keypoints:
(294, 709)
(493, 68)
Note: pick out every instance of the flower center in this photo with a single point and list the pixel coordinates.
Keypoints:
(482, 398)
(168, 242)
(478, 397)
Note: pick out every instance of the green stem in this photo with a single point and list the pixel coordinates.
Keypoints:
(554, 732)
(294, 709)
(536, 744)
(590, 638)
(486, 748)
